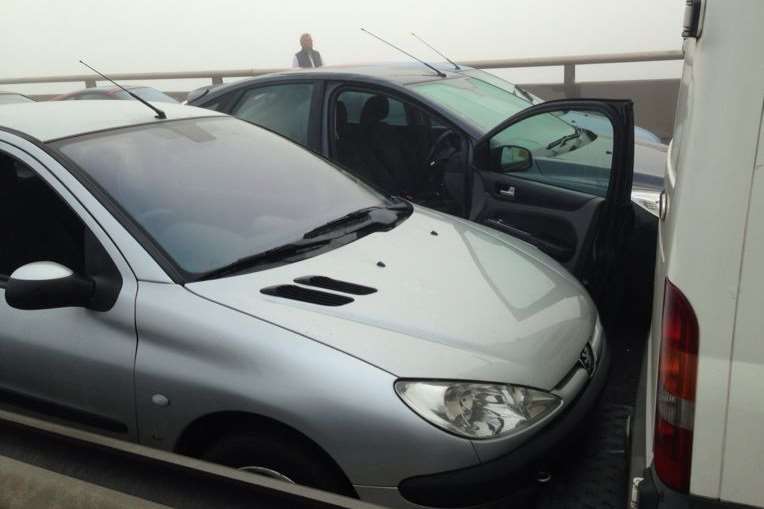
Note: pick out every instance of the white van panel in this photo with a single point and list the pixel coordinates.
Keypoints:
(701, 240)
(744, 451)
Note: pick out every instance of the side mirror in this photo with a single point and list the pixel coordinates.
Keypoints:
(47, 285)
(511, 158)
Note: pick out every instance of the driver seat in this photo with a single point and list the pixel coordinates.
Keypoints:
(382, 158)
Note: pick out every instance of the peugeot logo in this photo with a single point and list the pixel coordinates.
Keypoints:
(586, 359)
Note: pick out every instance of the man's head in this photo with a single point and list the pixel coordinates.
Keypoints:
(306, 41)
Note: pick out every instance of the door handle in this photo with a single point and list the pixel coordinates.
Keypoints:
(508, 192)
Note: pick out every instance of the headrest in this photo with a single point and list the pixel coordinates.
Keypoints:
(375, 109)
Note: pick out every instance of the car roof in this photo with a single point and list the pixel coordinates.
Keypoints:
(396, 74)
(52, 120)
(401, 74)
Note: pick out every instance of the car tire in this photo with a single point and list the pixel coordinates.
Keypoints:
(279, 456)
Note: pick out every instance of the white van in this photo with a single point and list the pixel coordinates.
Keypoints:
(700, 431)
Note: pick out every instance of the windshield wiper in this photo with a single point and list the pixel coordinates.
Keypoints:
(563, 140)
(269, 256)
(362, 219)
(525, 94)
(377, 218)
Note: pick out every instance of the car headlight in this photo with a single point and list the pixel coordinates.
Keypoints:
(477, 410)
(648, 200)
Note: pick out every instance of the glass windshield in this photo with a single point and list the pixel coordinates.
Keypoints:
(478, 102)
(147, 94)
(503, 84)
(214, 190)
(14, 98)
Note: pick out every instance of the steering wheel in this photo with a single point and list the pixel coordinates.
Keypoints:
(436, 147)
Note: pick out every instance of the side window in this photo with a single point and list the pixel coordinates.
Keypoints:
(568, 149)
(35, 223)
(399, 148)
(284, 109)
(90, 95)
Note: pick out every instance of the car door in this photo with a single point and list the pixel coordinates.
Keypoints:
(562, 188)
(71, 365)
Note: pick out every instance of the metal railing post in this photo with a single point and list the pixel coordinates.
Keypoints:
(569, 80)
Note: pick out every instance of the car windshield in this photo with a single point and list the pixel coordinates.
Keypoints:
(211, 191)
(477, 101)
(503, 84)
(148, 94)
(14, 98)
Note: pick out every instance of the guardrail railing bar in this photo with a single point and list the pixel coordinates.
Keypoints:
(568, 63)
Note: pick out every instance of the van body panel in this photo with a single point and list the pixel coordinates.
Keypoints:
(702, 237)
(744, 448)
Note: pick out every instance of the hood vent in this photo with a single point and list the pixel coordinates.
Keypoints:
(301, 294)
(336, 285)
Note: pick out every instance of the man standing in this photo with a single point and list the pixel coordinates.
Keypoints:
(307, 57)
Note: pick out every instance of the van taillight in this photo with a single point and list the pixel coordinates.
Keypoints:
(677, 375)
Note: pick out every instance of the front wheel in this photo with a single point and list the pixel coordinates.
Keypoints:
(279, 457)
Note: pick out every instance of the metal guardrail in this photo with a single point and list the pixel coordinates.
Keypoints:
(216, 76)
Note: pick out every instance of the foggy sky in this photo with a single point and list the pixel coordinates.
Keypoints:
(47, 37)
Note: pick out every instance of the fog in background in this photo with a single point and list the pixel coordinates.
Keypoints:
(47, 37)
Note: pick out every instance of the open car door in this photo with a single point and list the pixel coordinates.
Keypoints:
(545, 176)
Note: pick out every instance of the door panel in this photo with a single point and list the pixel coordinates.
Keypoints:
(540, 177)
(557, 222)
(70, 365)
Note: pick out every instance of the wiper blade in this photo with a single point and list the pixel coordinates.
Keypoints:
(564, 139)
(380, 216)
(271, 255)
(524, 93)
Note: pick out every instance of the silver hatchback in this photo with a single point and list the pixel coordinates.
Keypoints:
(201, 285)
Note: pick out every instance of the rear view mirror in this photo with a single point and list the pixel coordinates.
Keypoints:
(511, 158)
(47, 285)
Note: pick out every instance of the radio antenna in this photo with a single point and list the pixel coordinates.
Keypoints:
(433, 68)
(159, 113)
(456, 66)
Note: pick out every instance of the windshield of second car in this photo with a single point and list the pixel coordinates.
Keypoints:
(478, 102)
(147, 94)
(211, 191)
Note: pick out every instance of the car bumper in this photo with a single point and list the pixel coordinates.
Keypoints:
(510, 476)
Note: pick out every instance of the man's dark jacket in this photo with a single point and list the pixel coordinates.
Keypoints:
(303, 60)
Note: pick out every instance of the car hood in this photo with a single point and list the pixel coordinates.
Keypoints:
(453, 300)
(649, 165)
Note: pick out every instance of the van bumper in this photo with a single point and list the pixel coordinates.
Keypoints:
(651, 493)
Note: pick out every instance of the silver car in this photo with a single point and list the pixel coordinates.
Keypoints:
(199, 284)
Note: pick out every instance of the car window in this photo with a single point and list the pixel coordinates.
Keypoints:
(14, 98)
(284, 109)
(90, 95)
(210, 191)
(147, 94)
(394, 146)
(545, 148)
(35, 223)
(476, 101)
